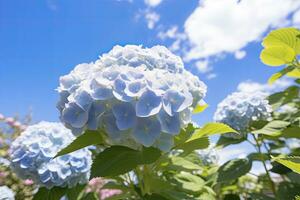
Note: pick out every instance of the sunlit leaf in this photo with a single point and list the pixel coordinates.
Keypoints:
(277, 55)
(200, 108)
(279, 74)
(292, 162)
(273, 128)
(282, 37)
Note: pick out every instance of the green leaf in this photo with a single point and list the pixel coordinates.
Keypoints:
(281, 98)
(199, 139)
(181, 163)
(288, 190)
(200, 108)
(281, 73)
(292, 162)
(84, 140)
(294, 74)
(226, 141)
(118, 160)
(277, 55)
(291, 132)
(190, 146)
(53, 194)
(283, 37)
(211, 129)
(189, 182)
(273, 128)
(258, 157)
(233, 169)
(75, 192)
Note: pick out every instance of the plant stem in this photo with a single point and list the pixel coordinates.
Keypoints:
(265, 166)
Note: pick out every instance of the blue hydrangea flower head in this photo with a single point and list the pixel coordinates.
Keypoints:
(6, 193)
(139, 96)
(239, 109)
(32, 153)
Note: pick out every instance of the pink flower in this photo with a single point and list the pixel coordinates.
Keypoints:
(10, 121)
(106, 193)
(28, 182)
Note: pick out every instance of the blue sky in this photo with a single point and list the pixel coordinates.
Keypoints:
(42, 40)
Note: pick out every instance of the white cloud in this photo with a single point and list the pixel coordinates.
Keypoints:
(296, 19)
(251, 86)
(203, 66)
(152, 18)
(227, 26)
(211, 76)
(232, 152)
(152, 3)
(240, 54)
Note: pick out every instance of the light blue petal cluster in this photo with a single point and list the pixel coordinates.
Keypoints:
(32, 153)
(6, 193)
(240, 108)
(139, 96)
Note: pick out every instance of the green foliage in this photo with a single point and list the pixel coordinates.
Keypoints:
(117, 160)
(292, 162)
(52, 194)
(273, 128)
(200, 108)
(88, 138)
(233, 169)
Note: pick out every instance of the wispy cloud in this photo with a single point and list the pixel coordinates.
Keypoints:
(153, 3)
(252, 86)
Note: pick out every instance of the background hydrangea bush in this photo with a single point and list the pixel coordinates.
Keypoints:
(127, 134)
(239, 109)
(33, 151)
(137, 95)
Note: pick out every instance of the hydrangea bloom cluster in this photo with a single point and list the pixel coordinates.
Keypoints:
(240, 108)
(32, 153)
(6, 193)
(137, 95)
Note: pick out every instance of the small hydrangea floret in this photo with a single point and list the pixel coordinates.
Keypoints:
(139, 96)
(33, 151)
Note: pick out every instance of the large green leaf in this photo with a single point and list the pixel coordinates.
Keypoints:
(273, 128)
(53, 194)
(292, 162)
(281, 98)
(118, 160)
(283, 37)
(226, 141)
(277, 55)
(189, 182)
(199, 139)
(291, 132)
(86, 139)
(181, 163)
(288, 191)
(233, 169)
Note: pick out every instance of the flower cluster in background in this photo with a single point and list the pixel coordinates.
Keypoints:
(95, 185)
(137, 95)
(32, 153)
(240, 108)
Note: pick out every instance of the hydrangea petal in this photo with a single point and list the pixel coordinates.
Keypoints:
(148, 104)
(146, 131)
(169, 124)
(125, 115)
(75, 115)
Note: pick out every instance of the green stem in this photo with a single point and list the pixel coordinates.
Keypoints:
(265, 166)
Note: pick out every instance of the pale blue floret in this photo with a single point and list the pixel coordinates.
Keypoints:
(96, 111)
(110, 126)
(146, 131)
(165, 142)
(6, 193)
(119, 90)
(83, 99)
(100, 91)
(33, 151)
(148, 104)
(174, 101)
(75, 116)
(134, 88)
(125, 115)
(169, 124)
